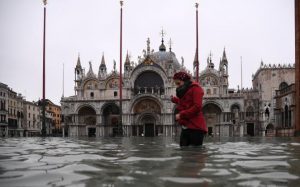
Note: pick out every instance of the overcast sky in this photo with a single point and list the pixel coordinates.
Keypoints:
(253, 29)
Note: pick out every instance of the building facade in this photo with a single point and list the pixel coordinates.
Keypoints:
(32, 125)
(3, 110)
(94, 110)
(285, 110)
(54, 112)
(271, 81)
(15, 114)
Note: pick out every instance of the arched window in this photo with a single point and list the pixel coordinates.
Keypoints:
(92, 94)
(283, 85)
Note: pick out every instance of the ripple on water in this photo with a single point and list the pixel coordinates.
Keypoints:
(185, 180)
(259, 164)
(136, 159)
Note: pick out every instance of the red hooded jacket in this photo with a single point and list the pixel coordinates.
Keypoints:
(190, 108)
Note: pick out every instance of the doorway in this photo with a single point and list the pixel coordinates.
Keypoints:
(149, 130)
(250, 129)
(91, 132)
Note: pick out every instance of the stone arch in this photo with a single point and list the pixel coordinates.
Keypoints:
(270, 130)
(94, 84)
(87, 115)
(110, 114)
(112, 82)
(136, 73)
(283, 85)
(235, 106)
(212, 114)
(270, 126)
(149, 82)
(147, 117)
(148, 124)
(147, 97)
(214, 103)
(147, 105)
(85, 105)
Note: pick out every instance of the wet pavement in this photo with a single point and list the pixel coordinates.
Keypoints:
(142, 162)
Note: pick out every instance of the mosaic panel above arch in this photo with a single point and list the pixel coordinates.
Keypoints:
(146, 106)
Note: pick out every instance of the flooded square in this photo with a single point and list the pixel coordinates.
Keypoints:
(144, 161)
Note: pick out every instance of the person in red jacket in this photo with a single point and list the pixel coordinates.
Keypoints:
(188, 112)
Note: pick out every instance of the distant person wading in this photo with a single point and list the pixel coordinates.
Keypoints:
(188, 112)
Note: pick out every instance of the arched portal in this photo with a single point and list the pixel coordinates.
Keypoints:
(111, 114)
(87, 117)
(147, 112)
(111, 119)
(212, 115)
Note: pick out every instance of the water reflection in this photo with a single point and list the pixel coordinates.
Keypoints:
(140, 161)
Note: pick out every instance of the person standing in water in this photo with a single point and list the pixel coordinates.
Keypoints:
(188, 112)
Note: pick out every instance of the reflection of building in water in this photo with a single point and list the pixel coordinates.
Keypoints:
(147, 109)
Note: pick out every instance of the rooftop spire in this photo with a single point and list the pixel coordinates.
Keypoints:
(170, 44)
(78, 61)
(90, 72)
(102, 65)
(127, 61)
(148, 46)
(224, 55)
(162, 47)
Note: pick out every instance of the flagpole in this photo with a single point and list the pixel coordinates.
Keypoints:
(44, 73)
(120, 83)
(197, 49)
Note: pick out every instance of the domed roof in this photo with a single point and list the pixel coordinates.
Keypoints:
(210, 68)
(209, 71)
(162, 57)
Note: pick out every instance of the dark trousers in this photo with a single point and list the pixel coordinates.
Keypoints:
(191, 137)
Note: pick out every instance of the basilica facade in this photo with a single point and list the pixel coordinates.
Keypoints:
(147, 110)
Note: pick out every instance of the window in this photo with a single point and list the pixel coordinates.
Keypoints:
(208, 92)
(92, 94)
(215, 90)
(250, 112)
(115, 94)
(283, 85)
(28, 115)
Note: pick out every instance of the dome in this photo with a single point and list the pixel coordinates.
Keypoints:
(162, 57)
(209, 71)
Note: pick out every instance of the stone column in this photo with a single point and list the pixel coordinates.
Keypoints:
(297, 63)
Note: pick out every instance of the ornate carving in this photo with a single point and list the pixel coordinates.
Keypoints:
(148, 61)
(147, 105)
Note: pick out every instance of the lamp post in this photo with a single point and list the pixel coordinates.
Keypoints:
(44, 72)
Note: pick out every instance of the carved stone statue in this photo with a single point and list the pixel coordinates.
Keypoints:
(115, 66)
(182, 61)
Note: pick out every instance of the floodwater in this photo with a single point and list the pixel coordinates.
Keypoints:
(143, 162)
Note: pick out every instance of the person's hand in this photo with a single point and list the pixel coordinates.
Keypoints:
(177, 116)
